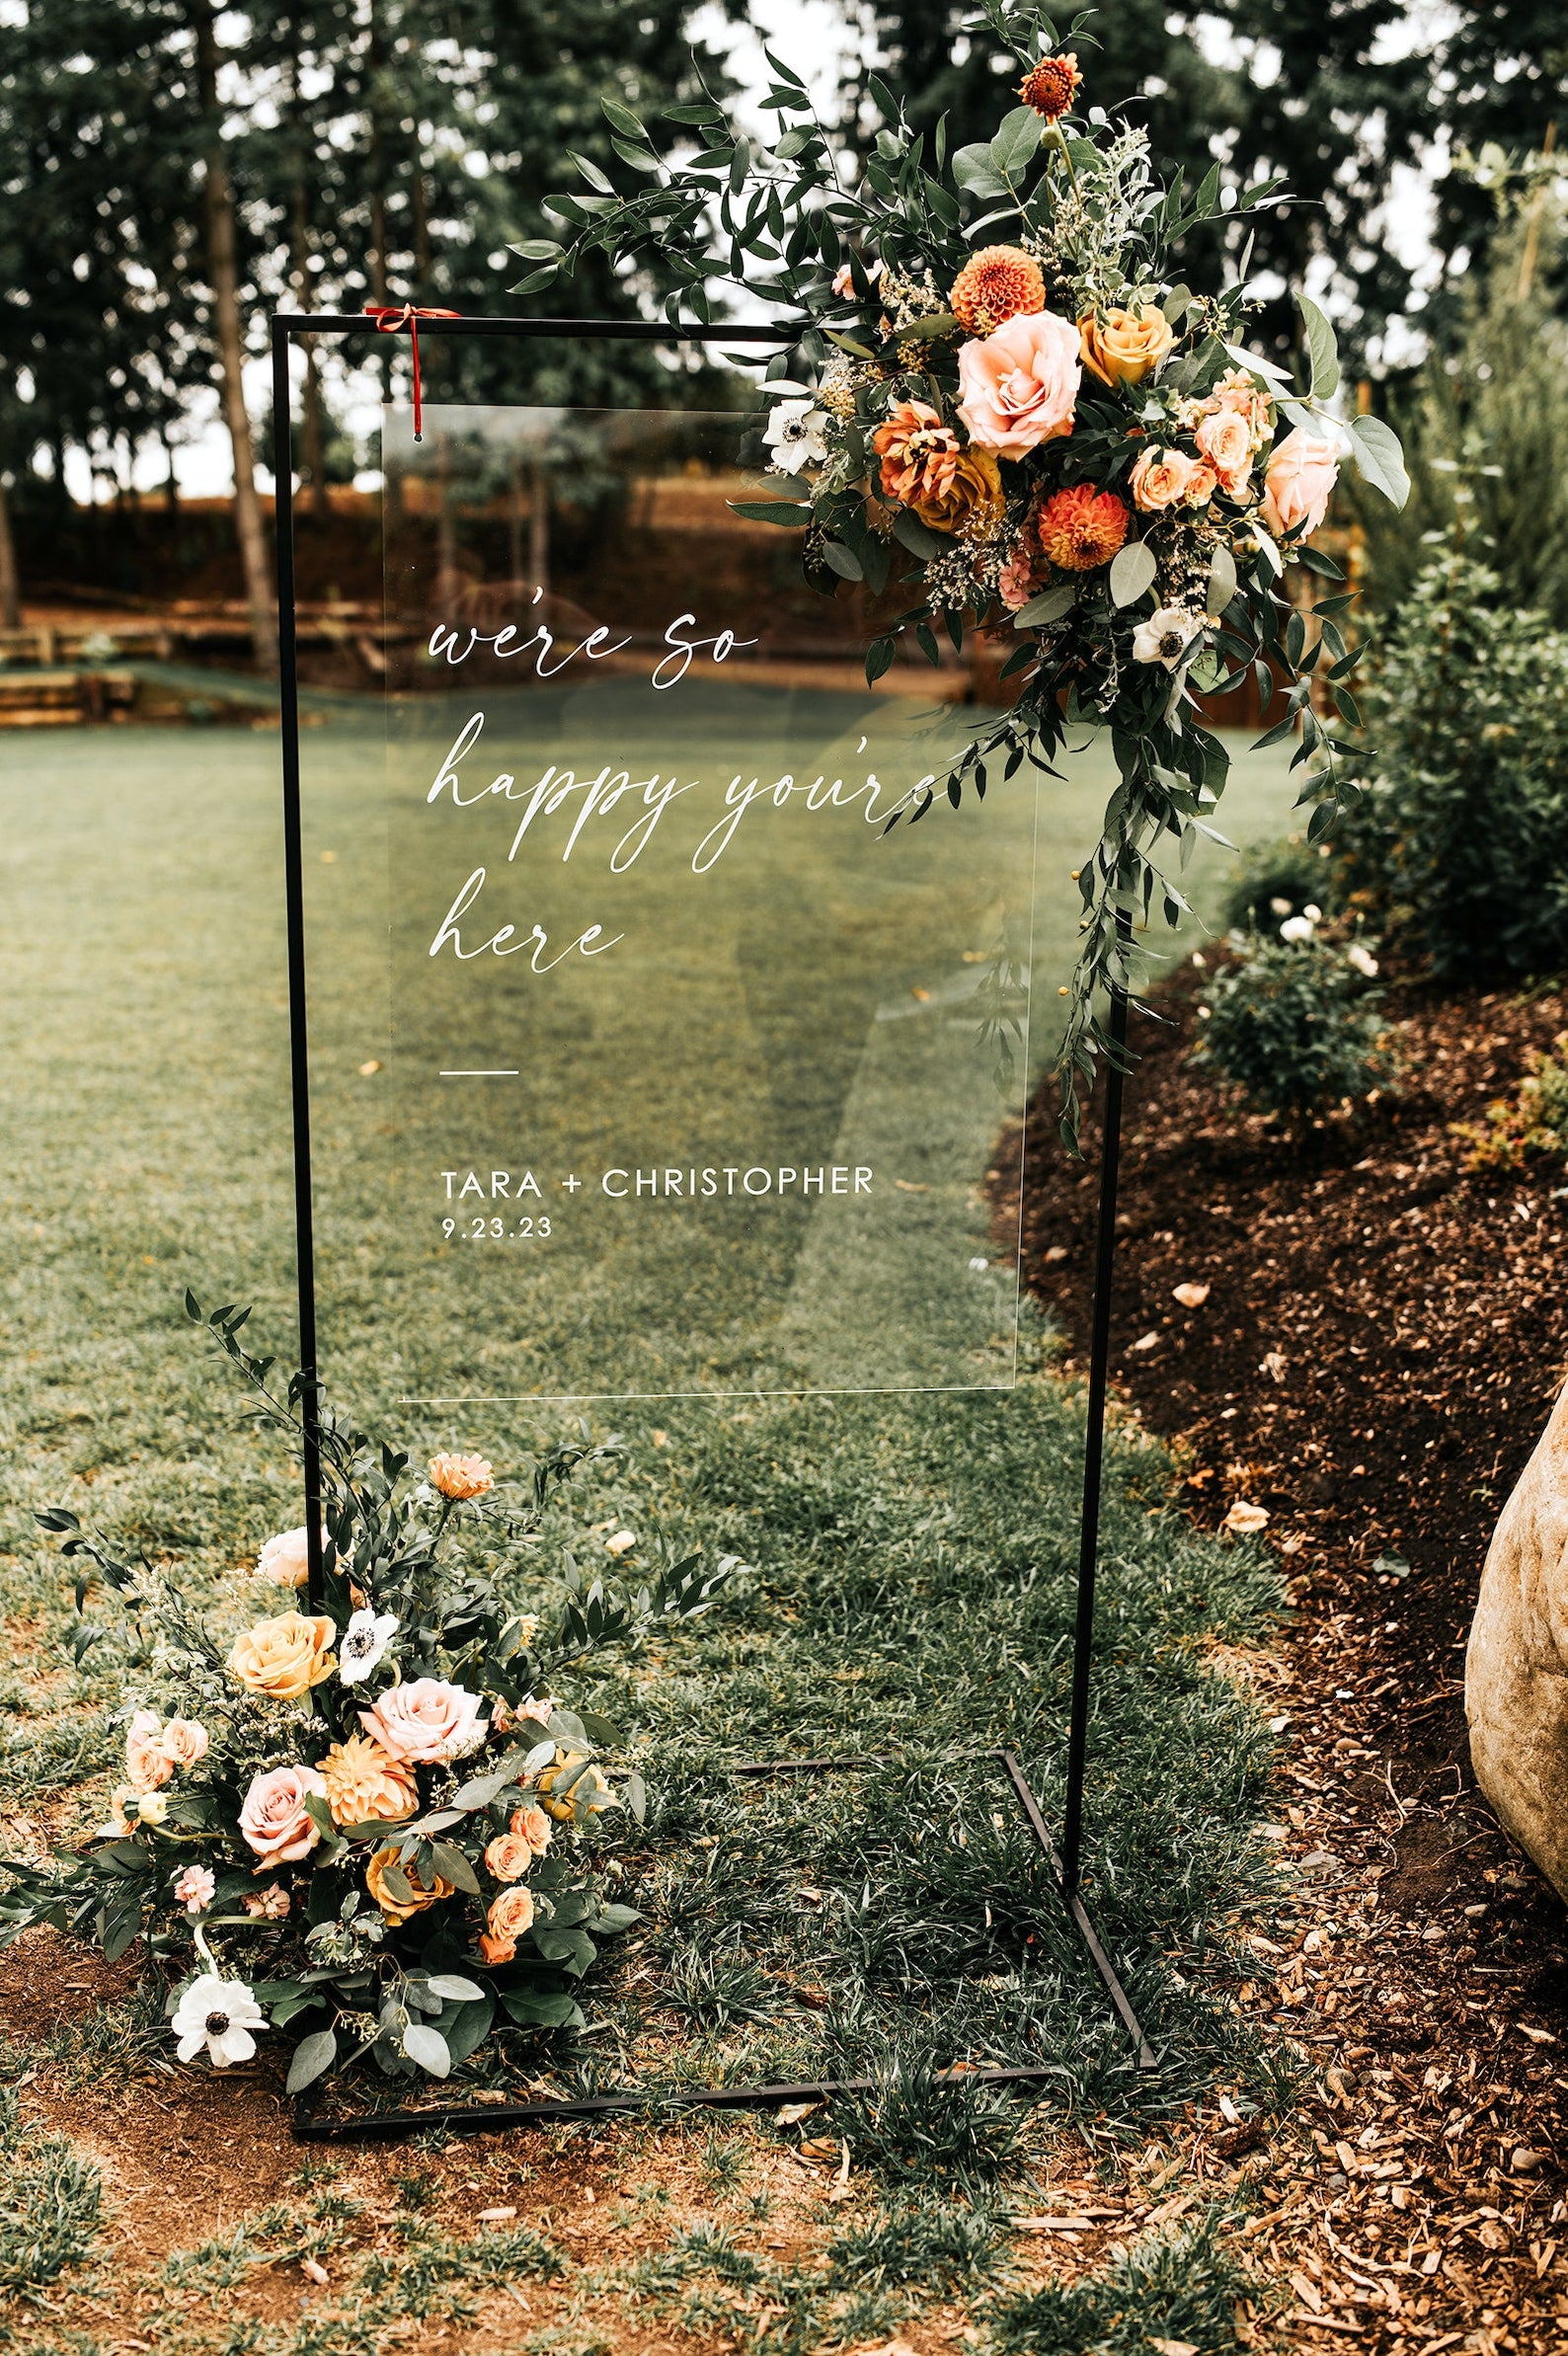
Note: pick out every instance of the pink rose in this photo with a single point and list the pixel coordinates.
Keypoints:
(426, 1721)
(1168, 479)
(274, 1818)
(1299, 483)
(147, 1763)
(1225, 440)
(286, 1559)
(1021, 385)
(184, 1741)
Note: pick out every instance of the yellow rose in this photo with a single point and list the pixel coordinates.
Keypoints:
(398, 1909)
(589, 1785)
(1125, 346)
(285, 1657)
(970, 498)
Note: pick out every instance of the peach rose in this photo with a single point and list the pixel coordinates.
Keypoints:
(1236, 390)
(426, 1722)
(283, 1657)
(1020, 385)
(1299, 483)
(147, 1762)
(286, 1559)
(1225, 440)
(274, 1818)
(531, 1824)
(1168, 479)
(508, 1857)
(458, 1477)
(1125, 346)
(399, 1909)
(510, 1915)
(184, 1741)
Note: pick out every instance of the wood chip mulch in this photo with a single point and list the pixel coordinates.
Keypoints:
(1371, 1345)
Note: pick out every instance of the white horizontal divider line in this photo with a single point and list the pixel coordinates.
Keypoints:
(480, 1076)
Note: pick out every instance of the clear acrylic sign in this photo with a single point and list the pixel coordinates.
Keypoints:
(696, 1065)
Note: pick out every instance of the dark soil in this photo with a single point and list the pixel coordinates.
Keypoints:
(1381, 1339)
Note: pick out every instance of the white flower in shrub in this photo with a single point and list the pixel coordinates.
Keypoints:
(1362, 959)
(286, 1559)
(1298, 929)
(796, 435)
(365, 1640)
(221, 2015)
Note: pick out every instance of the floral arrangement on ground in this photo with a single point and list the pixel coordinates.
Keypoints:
(370, 1816)
(997, 393)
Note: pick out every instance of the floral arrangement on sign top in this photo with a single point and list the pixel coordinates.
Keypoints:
(368, 1818)
(996, 394)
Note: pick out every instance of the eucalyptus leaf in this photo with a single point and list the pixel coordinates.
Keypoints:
(842, 560)
(1380, 460)
(973, 170)
(312, 2055)
(1322, 345)
(918, 537)
(428, 2048)
(1221, 579)
(1133, 572)
(1015, 143)
(453, 1989)
(1048, 606)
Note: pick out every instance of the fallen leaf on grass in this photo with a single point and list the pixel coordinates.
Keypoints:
(315, 2269)
(1244, 1518)
(819, 2149)
(1174, 2347)
(793, 2113)
(495, 2216)
(1191, 1297)
(1146, 1341)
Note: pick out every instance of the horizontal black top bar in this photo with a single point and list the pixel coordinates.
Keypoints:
(344, 323)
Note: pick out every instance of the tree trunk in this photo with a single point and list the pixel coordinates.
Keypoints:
(223, 275)
(10, 594)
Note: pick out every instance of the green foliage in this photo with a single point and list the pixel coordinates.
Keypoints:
(1460, 849)
(916, 2125)
(921, 2239)
(1485, 427)
(1170, 2286)
(1294, 1026)
(50, 2204)
(1532, 1124)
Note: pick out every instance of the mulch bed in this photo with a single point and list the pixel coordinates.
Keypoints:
(1380, 1342)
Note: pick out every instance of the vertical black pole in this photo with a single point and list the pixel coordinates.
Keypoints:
(294, 892)
(1094, 1436)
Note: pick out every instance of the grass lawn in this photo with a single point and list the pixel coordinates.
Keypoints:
(909, 1594)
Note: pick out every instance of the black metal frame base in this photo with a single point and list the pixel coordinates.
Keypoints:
(631, 2101)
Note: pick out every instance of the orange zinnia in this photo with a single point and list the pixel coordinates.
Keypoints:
(1080, 529)
(1001, 283)
(1050, 86)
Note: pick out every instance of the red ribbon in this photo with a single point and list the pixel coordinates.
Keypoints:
(389, 317)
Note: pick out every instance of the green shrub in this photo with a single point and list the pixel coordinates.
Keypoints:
(1293, 1025)
(50, 2208)
(1277, 879)
(1461, 845)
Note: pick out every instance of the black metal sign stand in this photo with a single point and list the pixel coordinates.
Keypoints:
(1065, 1866)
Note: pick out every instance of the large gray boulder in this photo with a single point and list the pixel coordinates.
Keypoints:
(1515, 1671)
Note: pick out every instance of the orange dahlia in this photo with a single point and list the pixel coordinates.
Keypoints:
(1002, 282)
(1083, 527)
(1050, 86)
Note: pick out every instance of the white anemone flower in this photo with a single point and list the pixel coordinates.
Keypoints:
(365, 1640)
(796, 435)
(1166, 635)
(220, 2014)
